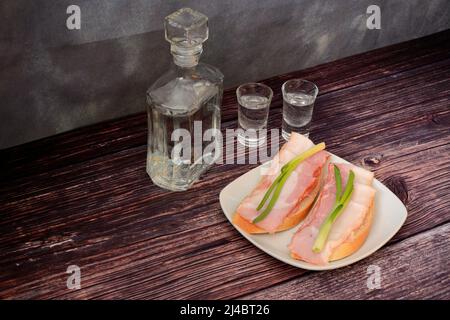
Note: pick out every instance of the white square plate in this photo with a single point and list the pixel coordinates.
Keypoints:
(389, 216)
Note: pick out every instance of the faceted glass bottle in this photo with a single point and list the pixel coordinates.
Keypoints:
(186, 100)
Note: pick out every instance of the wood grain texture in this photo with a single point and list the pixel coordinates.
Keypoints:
(84, 198)
(410, 269)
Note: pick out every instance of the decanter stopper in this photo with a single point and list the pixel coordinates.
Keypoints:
(186, 30)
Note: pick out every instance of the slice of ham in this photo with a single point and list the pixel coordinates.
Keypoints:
(299, 184)
(349, 221)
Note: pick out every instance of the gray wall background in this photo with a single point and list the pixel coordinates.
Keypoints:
(53, 79)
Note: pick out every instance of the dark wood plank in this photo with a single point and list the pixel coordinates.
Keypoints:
(98, 140)
(133, 240)
(214, 260)
(72, 147)
(88, 238)
(415, 268)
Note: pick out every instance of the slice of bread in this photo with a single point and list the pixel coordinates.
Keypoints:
(357, 239)
(291, 220)
(354, 242)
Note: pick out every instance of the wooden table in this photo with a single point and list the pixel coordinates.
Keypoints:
(83, 197)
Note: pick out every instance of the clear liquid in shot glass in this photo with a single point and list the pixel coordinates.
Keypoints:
(253, 112)
(252, 115)
(297, 113)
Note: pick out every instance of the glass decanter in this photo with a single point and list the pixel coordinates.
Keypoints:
(184, 107)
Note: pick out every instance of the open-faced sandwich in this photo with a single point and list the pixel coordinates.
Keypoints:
(341, 218)
(286, 191)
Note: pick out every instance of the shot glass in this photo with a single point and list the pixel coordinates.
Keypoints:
(298, 104)
(253, 110)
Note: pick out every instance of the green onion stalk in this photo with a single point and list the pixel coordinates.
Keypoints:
(339, 206)
(276, 187)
